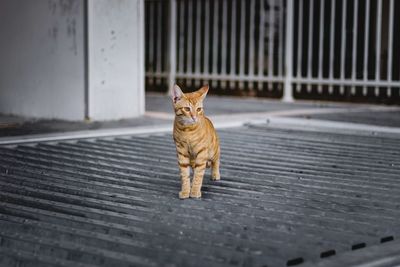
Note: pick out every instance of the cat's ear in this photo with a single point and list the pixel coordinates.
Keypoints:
(176, 93)
(203, 91)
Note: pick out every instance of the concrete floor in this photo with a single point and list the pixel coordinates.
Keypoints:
(159, 112)
(217, 105)
(389, 118)
(288, 196)
(303, 184)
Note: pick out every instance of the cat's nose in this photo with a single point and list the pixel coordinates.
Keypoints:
(194, 118)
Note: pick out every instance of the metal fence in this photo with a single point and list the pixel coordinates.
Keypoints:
(319, 49)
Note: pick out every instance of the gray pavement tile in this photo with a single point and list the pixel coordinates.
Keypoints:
(379, 118)
(287, 197)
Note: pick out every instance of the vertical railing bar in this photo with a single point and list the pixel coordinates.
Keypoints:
(242, 41)
(271, 37)
(206, 35)
(224, 37)
(280, 42)
(354, 54)
(390, 46)
(224, 40)
(159, 40)
(189, 59)
(390, 40)
(181, 37)
(271, 40)
(300, 41)
(172, 45)
(189, 52)
(242, 36)
(261, 43)
(343, 45)
(287, 89)
(197, 44)
(366, 35)
(378, 44)
(332, 43)
(147, 35)
(233, 43)
(310, 37)
(154, 44)
(151, 41)
(146, 30)
(198, 38)
(166, 29)
(321, 47)
(251, 42)
(215, 42)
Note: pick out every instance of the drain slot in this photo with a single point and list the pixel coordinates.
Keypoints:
(295, 261)
(387, 239)
(358, 246)
(328, 253)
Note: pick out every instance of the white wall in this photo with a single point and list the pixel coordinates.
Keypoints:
(42, 58)
(116, 58)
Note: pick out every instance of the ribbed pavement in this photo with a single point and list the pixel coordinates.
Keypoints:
(286, 197)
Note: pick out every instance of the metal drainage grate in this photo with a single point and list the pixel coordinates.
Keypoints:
(286, 197)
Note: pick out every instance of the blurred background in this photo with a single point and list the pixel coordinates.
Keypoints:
(91, 60)
(329, 49)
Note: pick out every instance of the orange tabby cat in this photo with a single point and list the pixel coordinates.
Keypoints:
(196, 141)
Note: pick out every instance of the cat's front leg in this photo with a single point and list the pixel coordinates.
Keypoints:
(199, 170)
(198, 175)
(184, 168)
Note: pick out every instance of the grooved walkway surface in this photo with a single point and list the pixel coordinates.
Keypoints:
(286, 196)
(389, 118)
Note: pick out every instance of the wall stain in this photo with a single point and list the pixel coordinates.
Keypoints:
(113, 38)
(71, 32)
(52, 6)
(64, 7)
(65, 12)
(53, 32)
(69, 7)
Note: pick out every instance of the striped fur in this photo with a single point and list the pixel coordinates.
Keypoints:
(197, 143)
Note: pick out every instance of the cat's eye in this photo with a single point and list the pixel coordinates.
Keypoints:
(186, 108)
(198, 109)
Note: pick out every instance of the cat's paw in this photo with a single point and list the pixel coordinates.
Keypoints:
(195, 194)
(215, 177)
(184, 194)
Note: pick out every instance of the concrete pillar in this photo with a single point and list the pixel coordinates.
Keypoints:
(42, 58)
(72, 59)
(116, 59)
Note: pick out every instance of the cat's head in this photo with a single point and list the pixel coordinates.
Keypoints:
(188, 107)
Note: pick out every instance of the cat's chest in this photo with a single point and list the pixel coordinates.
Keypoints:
(191, 143)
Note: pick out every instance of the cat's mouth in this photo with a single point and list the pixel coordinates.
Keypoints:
(188, 121)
